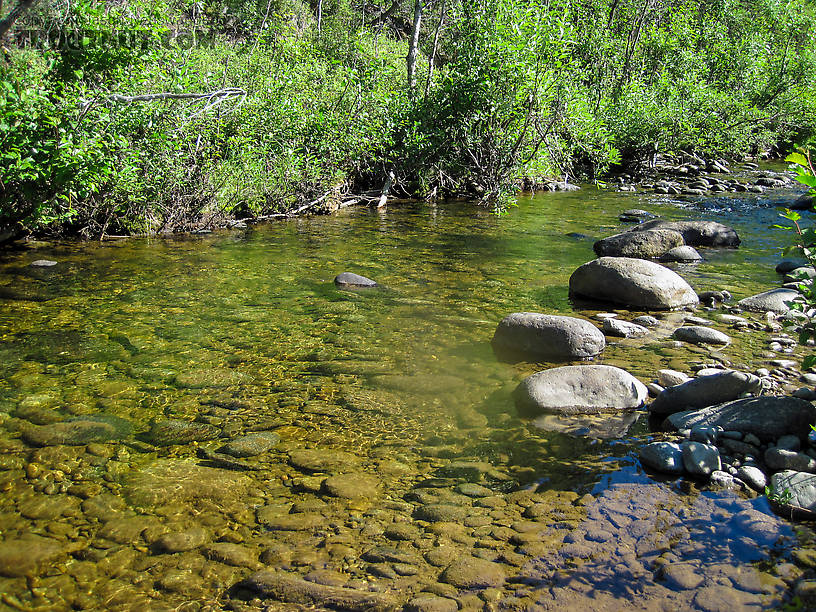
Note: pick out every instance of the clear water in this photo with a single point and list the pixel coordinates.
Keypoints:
(246, 331)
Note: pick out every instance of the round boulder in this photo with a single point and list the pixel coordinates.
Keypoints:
(681, 254)
(547, 337)
(705, 391)
(696, 233)
(775, 300)
(700, 334)
(643, 245)
(582, 389)
(635, 283)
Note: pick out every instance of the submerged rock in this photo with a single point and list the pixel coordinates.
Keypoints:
(636, 283)
(178, 480)
(775, 300)
(803, 202)
(250, 445)
(767, 417)
(696, 233)
(547, 337)
(79, 431)
(643, 245)
(321, 460)
(473, 573)
(699, 334)
(583, 389)
(290, 588)
(177, 431)
(705, 391)
(349, 279)
(624, 329)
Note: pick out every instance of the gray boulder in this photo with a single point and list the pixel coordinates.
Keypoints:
(767, 417)
(582, 389)
(705, 391)
(349, 279)
(699, 334)
(795, 493)
(549, 337)
(801, 273)
(664, 457)
(623, 329)
(753, 477)
(775, 300)
(643, 245)
(681, 254)
(787, 265)
(636, 283)
(778, 459)
(700, 459)
(696, 233)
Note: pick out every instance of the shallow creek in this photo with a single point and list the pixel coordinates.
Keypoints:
(391, 466)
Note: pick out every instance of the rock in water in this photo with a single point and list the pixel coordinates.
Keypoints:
(349, 279)
(43, 263)
(767, 417)
(696, 233)
(700, 334)
(547, 337)
(582, 389)
(705, 391)
(803, 202)
(251, 444)
(682, 254)
(775, 300)
(700, 459)
(79, 431)
(664, 457)
(643, 245)
(636, 283)
(795, 492)
(178, 431)
(624, 329)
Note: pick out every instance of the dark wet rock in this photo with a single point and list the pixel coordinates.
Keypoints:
(402, 532)
(177, 431)
(713, 298)
(706, 435)
(180, 480)
(635, 215)
(322, 460)
(27, 555)
(696, 233)
(681, 254)
(349, 279)
(250, 445)
(471, 489)
(78, 431)
(236, 555)
(211, 378)
(352, 486)
(664, 457)
(473, 573)
(636, 283)
(700, 459)
(803, 202)
(767, 417)
(290, 588)
(753, 477)
(547, 337)
(180, 541)
(788, 265)
(582, 389)
(778, 459)
(775, 300)
(390, 554)
(431, 603)
(792, 443)
(705, 391)
(641, 245)
(43, 263)
(699, 334)
(623, 329)
(434, 513)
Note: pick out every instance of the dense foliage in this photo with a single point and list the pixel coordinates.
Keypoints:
(311, 102)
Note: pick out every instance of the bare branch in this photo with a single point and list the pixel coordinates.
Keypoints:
(14, 15)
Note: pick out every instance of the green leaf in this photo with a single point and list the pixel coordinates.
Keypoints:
(798, 159)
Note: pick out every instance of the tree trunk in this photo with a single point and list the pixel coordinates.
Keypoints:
(413, 48)
(435, 47)
(14, 15)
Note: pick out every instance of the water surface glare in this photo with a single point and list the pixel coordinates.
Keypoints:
(128, 364)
